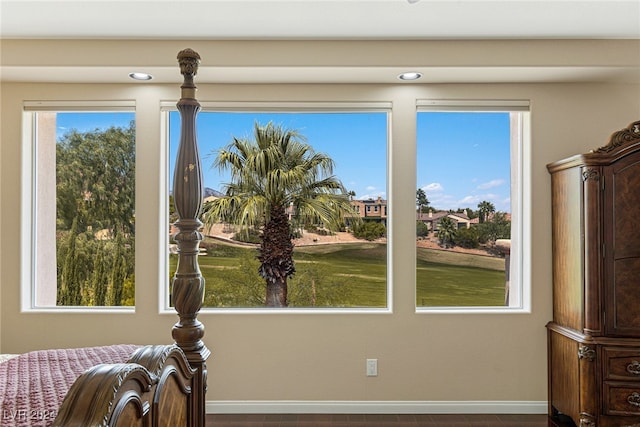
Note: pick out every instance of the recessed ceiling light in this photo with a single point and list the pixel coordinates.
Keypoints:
(410, 76)
(140, 76)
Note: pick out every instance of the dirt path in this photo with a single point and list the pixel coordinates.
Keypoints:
(310, 239)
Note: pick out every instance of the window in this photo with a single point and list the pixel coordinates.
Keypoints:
(472, 214)
(337, 264)
(80, 242)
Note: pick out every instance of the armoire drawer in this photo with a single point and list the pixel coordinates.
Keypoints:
(621, 399)
(621, 363)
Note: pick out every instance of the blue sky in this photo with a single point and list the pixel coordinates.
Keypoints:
(86, 122)
(355, 141)
(462, 158)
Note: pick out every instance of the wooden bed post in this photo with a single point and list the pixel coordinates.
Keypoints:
(188, 283)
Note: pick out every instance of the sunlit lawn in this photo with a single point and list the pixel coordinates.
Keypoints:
(361, 266)
(454, 279)
(351, 275)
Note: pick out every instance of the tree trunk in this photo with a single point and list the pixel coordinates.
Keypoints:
(277, 294)
(276, 257)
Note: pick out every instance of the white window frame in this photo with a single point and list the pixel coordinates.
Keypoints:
(29, 202)
(266, 107)
(520, 270)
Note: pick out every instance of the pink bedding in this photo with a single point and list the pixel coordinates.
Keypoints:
(33, 385)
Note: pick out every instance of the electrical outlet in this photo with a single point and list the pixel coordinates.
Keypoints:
(372, 367)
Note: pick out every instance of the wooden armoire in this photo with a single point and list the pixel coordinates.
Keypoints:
(594, 338)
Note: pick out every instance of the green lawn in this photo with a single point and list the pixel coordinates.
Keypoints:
(360, 269)
(349, 275)
(454, 279)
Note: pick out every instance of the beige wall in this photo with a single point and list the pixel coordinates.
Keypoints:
(422, 357)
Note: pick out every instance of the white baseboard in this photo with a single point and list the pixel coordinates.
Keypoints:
(374, 407)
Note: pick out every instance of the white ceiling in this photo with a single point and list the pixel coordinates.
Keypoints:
(319, 19)
(322, 20)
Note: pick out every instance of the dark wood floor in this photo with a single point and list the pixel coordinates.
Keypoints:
(379, 420)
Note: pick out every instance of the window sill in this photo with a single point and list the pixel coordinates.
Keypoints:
(80, 310)
(473, 310)
(281, 311)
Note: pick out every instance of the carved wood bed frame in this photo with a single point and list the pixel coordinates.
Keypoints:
(161, 385)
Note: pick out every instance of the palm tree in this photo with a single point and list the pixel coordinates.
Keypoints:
(485, 209)
(276, 177)
(446, 231)
(421, 200)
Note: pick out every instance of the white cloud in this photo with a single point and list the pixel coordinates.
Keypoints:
(491, 184)
(469, 201)
(374, 195)
(443, 201)
(433, 187)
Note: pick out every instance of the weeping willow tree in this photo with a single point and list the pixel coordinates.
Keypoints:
(95, 201)
(276, 178)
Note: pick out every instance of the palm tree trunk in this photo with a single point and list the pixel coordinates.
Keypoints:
(276, 257)
(277, 294)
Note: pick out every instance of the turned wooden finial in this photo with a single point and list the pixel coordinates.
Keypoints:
(189, 60)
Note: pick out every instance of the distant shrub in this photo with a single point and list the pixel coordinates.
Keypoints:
(466, 238)
(311, 228)
(324, 232)
(370, 231)
(499, 227)
(247, 236)
(422, 229)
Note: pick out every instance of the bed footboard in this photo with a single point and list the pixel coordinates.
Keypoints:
(154, 388)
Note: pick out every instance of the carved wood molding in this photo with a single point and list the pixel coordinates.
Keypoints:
(625, 136)
(587, 422)
(99, 396)
(586, 352)
(590, 174)
(156, 357)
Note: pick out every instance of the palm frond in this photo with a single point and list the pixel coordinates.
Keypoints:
(278, 169)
